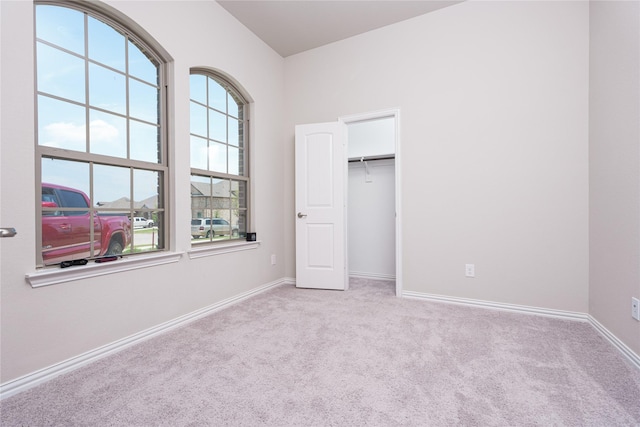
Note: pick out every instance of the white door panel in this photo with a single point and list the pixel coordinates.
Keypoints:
(320, 206)
(320, 246)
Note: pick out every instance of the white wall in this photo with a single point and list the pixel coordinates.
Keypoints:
(371, 219)
(44, 326)
(614, 135)
(494, 136)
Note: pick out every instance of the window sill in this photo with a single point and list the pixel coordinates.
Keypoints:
(210, 250)
(52, 276)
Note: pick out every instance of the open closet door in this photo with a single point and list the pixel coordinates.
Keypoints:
(320, 206)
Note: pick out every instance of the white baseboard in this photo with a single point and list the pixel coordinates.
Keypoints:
(567, 315)
(43, 375)
(622, 347)
(374, 276)
(498, 306)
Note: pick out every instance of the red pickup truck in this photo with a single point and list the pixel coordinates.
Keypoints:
(66, 234)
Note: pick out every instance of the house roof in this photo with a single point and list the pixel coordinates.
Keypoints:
(219, 189)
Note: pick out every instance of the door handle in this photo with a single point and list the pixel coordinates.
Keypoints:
(8, 232)
(301, 215)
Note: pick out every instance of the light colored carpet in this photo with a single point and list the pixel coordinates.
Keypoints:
(292, 357)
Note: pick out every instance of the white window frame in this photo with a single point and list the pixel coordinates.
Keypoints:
(231, 244)
(162, 166)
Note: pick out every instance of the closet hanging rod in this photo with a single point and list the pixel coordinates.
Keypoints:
(370, 158)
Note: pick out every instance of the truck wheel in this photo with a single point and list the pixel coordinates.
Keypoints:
(115, 247)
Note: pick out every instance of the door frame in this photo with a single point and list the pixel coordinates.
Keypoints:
(384, 114)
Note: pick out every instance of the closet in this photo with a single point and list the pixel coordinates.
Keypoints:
(371, 205)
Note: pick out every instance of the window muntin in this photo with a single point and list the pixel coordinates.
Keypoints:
(219, 178)
(100, 133)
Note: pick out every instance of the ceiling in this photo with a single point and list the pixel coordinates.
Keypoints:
(293, 26)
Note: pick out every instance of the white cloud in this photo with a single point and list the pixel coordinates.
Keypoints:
(72, 136)
(103, 131)
(60, 132)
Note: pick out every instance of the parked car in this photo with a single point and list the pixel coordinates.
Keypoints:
(210, 227)
(66, 233)
(140, 222)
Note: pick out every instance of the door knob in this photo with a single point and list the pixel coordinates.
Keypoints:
(8, 232)
(301, 215)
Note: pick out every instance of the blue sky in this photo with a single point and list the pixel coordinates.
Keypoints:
(63, 123)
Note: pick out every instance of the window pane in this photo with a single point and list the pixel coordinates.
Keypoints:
(58, 244)
(200, 203)
(66, 173)
(144, 101)
(241, 223)
(71, 198)
(221, 190)
(158, 220)
(241, 162)
(108, 134)
(198, 119)
(198, 88)
(106, 45)
(239, 192)
(60, 73)
(65, 188)
(217, 157)
(147, 189)
(241, 125)
(145, 142)
(142, 66)
(117, 243)
(61, 26)
(61, 125)
(234, 131)
(148, 238)
(198, 153)
(201, 186)
(237, 201)
(221, 225)
(234, 161)
(146, 186)
(217, 96)
(112, 187)
(232, 106)
(107, 89)
(217, 126)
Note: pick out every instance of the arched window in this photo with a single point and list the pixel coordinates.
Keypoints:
(101, 145)
(219, 159)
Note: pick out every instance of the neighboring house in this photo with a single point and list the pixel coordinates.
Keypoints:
(214, 201)
(140, 208)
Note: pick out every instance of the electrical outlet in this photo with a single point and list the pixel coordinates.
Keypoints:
(635, 308)
(470, 270)
(273, 259)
